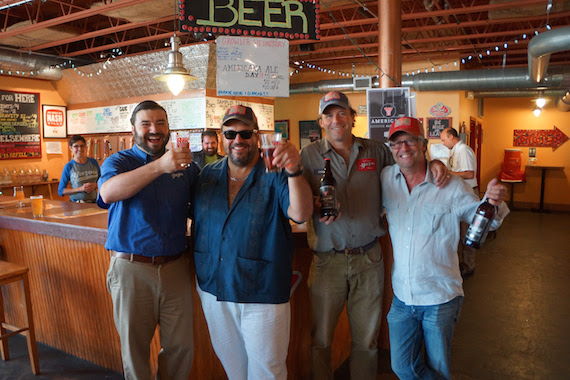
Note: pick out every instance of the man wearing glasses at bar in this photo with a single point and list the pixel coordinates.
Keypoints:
(81, 172)
(424, 227)
(243, 248)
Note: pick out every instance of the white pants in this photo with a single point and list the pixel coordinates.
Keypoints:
(250, 339)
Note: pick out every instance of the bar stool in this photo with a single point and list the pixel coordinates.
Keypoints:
(10, 272)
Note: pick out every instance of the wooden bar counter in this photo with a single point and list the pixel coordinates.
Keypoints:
(72, 308)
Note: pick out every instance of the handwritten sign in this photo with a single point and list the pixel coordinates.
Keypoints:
(290, 19)
(216, 108)
(191, 113)
(436, 125)
(249, 66)
(19, 125)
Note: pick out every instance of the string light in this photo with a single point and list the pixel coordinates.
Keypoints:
(463, 60)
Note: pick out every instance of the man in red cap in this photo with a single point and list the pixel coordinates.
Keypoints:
(347, 266)
(424, 228)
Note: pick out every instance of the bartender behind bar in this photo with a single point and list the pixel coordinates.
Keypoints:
(82, 172)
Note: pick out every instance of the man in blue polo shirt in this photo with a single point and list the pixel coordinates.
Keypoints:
(147, 191)
(243, 249)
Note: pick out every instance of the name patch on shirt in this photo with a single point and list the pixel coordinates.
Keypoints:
(366, 164)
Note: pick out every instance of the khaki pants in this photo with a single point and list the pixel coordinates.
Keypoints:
(145, 296)
(358, 281)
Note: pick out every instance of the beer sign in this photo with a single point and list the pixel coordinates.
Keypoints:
(290, 19)
(54, 121)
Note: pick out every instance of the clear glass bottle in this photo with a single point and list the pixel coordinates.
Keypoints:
(37, 174)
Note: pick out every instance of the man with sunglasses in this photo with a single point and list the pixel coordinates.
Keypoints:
(81, 172)
(424, 227)
(243, 248)
(347, 266)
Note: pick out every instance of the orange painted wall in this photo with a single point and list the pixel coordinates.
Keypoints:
(53, 163)
(502, 117)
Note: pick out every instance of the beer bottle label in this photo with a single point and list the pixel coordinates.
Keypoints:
(478, 229)
(327, 197)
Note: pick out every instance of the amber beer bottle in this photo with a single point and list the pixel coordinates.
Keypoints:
(480, 225)
(327, 192)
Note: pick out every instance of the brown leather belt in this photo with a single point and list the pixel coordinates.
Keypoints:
(357, 250)
(154, 260)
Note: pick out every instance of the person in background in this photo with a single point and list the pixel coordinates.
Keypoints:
(424, 227)
(243, 249)
(209, 152)
(148, 191)
(462, 163)
(347, 265)
(81, 173)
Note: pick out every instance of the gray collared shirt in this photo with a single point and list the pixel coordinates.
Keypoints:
(358, 192)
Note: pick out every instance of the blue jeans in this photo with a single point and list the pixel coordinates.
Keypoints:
(430, 326)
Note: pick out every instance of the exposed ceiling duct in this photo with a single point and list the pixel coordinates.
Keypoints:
(503, 82)
(29, 65)
(472, 80)
(541, 47)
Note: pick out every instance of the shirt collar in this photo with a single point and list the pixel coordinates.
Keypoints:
(456, 146)
(428, 178)
(327, 147)
(142, 154)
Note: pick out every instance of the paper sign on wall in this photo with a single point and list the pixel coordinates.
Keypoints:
(248, 66)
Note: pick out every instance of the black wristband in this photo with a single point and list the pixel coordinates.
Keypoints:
(296, 174)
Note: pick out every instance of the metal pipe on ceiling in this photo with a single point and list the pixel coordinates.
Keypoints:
(542, 46)
(42, 67)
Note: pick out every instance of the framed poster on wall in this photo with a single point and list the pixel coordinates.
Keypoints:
(309, 131)
(282, 126)
(436, 125)
(54, 121)
(19, 125)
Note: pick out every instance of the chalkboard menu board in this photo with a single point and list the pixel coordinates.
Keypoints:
(19, 125)
(436, 125)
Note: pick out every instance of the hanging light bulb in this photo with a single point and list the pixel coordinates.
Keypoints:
(175, 75)
(537, 112)
(540, 102)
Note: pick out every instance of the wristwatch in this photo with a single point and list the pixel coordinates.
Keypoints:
(296, 174)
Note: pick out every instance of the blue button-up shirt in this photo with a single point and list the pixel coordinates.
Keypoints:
(243, 253)
(153, 221)
(424, 228)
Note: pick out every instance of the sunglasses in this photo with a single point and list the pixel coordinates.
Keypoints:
(245, 134)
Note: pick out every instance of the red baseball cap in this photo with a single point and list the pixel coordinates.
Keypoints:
(405, 124)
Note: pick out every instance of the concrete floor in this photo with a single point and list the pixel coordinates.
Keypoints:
(515, 322)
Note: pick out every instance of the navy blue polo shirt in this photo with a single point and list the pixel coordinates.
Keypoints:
(153, 221)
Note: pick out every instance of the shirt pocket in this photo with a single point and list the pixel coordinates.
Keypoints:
(433, 219)
(253, 275)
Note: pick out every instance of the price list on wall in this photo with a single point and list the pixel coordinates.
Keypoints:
(249, 66)
(19, 125)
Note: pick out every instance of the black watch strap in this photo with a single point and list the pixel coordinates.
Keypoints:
(296, 174)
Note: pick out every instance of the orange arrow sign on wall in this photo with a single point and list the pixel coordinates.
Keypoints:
(539, 137)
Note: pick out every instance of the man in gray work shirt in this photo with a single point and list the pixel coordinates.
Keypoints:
(347, 265)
